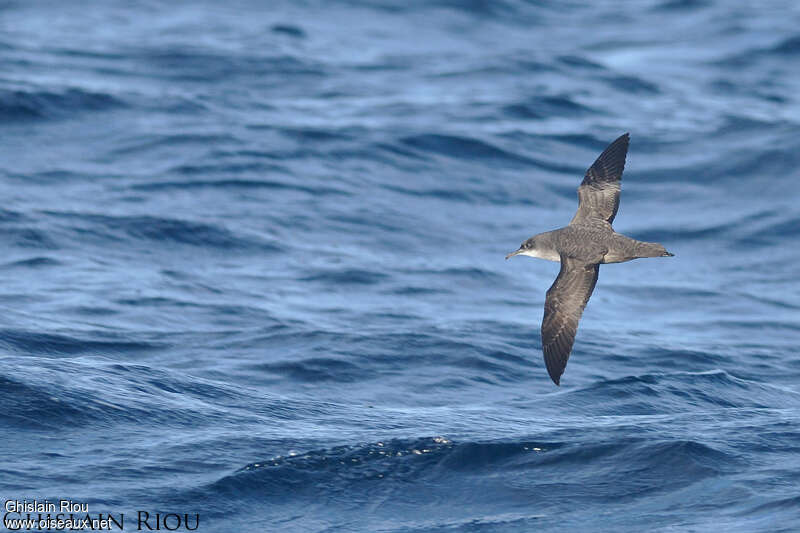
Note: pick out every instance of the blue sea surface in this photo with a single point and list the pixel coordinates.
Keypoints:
(253, 263)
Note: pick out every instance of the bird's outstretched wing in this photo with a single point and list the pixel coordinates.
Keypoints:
(598, 195)
(563, 308)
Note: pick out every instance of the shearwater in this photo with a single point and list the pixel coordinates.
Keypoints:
(581, 247)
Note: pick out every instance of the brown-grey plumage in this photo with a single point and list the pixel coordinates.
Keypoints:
(581, 247)
(598, 195)
(563, 307)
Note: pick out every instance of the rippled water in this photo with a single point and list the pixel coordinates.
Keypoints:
(254, 266)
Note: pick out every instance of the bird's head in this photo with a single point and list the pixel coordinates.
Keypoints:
(526, 248)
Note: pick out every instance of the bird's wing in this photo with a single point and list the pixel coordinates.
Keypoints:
(598, 195)
(563, 307)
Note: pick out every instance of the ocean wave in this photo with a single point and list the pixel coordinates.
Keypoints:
(683, 5)
(316, 370)
(233, 184)
(753, 229)
(18, 105)
(34, 262)
(159, 230)
(51, 344)
(91, 390)
(539, 469)
(290, 30)
(546, 107)
(781, 50)
(199, 65)
(285, 475)
(668, 392)
(141, 144)
(27, 237)
(632, 84)
(462, 147)
(313, 358)
(347, 276)
(789, 46)
(32, 407)
(320, 134)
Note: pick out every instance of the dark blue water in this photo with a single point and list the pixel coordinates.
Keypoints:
(253, 263)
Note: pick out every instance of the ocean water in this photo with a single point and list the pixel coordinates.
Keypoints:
(253, 267)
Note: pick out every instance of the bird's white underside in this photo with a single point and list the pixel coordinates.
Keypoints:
(549, 255)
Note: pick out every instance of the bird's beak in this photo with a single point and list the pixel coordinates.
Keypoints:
(512, 254)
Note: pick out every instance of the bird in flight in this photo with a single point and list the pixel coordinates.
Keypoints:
(581, 247)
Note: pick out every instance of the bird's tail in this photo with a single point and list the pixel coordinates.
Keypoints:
(651, 249)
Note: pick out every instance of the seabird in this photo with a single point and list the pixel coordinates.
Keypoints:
(581, 247)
